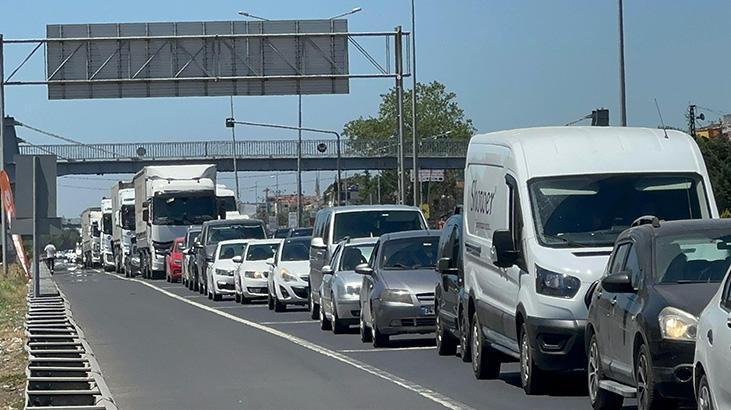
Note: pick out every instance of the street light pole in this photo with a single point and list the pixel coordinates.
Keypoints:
(235, 154)
(299, 162)
(230, 123)
(415, 155)
(622, 89)
(398, 46)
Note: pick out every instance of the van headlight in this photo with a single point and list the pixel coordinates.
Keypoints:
(676, 324)
(254, 274)
(556, 284)
(397, 296)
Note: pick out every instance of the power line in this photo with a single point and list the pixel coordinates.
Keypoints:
(69, 140)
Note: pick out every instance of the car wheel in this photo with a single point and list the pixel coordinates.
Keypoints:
(210, 295)
(531, 377)
(337, 324)
(324, 323)
(279, 306)
(446, 345)
(485, 361)
(705, 401)
(245, 300)
(270, 302)
(647, 396)
(379, 339)
(237, 297)
(465, 346)
(600, 399)
(217, 297)
(314, 308)
(365, 332)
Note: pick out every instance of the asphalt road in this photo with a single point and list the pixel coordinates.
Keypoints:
(162, 346)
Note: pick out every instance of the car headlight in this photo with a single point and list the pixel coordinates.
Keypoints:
(254, 274)
(556, 284)
(676, 324)
(397, 296)
(287, 277)
(224, 272)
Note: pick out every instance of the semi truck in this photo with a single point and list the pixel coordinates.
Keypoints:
(225, 199)
(107, 254)
(168, 199)
(123, 224)
(90, 237)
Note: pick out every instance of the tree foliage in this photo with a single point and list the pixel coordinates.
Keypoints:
(717, 155)
(438, 116)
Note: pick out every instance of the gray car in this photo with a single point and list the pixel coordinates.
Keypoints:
(397, 292)
(340, 289)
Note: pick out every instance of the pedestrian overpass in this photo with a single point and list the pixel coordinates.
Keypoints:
(251, 155)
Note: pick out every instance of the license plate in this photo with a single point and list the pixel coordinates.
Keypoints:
(427, 310)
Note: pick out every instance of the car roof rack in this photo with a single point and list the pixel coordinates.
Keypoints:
(647, 219)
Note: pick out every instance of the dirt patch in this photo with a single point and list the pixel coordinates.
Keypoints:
(13, 359)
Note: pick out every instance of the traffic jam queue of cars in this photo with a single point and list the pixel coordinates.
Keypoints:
(590, 249)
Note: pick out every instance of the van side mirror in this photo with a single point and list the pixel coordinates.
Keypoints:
(364, 269)
(327, 270)
(505, 254)
(444, 266)
(237, 259)
(618, 283)
(270, 261)
(318, 243)
(145, 215)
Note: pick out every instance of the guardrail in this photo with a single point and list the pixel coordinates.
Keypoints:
(326, 148)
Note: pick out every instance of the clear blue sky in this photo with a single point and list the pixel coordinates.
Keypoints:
(511, 63)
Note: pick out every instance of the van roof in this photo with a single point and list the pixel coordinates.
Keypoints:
(549, 151)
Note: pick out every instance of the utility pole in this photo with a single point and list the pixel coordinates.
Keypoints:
(415, 154)
(691, 120)
(622, 86)
(398, 47)
(235, 154)
(299, 163)
(3, 222)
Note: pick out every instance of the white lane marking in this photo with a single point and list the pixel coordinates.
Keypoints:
(240, 307)
(390, 349)
(290, 322)
(194, 296)
(333, 354)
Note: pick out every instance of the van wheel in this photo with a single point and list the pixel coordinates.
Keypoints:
(485, 361)
(531, 377)
(465, 346)
(446, 344)
(600, 399)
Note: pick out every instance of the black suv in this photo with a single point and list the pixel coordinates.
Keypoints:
(643, 314)
(449, 294)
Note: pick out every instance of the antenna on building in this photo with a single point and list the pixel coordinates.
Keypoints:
(659, 114)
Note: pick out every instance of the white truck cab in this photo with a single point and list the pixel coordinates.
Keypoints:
(542, 208)
(107, 253)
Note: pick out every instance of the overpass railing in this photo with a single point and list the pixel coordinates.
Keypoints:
(326, 148)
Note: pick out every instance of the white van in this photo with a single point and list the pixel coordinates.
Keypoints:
(542, 208)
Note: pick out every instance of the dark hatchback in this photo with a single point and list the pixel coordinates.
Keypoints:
(643, 314)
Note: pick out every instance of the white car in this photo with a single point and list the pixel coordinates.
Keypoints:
(340, 289)
(289, 280)
(223, 267)
(712, 370)
(250, 279)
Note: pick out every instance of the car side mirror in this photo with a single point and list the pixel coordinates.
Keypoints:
(318, 243)
(327, 270)
(444, 266)
(145, 215)
(364, 269)
(618, 283)
(237, 259)
(505, 254)
(270, 261)
(728, 321)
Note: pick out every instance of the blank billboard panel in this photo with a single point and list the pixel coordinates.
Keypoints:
(217, 58)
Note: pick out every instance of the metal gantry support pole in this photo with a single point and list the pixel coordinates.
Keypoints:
(415, 154)
(36, 234)
(398, 49)
(3, 222)
(622, 86)
(235, 154)
(299, 161)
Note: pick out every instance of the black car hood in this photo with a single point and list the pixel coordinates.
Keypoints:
(690, 297)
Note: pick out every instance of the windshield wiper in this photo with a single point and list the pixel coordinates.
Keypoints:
(397, 265)
(566, 241)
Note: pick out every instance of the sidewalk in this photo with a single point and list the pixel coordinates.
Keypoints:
(48, 286)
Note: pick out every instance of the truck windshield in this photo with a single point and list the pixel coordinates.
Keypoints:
(591, 210)
(226, 203)
(183, 210)
(128, 217)
(218, 233)
(107, 224)
(368, 224)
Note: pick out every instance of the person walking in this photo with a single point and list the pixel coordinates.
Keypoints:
(50, 256)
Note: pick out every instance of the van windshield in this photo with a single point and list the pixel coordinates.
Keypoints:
(591, 210)
(368, 224)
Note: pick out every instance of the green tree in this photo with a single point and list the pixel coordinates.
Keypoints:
(717, 155)
(66, 239)
(438, 116)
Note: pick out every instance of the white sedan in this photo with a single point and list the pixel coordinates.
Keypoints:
(221, 278)
(712, 370)
(289, 280)
(250, 279)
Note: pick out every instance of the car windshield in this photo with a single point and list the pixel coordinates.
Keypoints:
(410, 253)
(107, 224)
(128, 217)
(295, 251)
(368, 224)
(183, 210)
(693, 256)
(355, 255)
(218, 233)
(590, 211)
(192, 236)
(261, 252)
(301, 232)
(229, 250)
